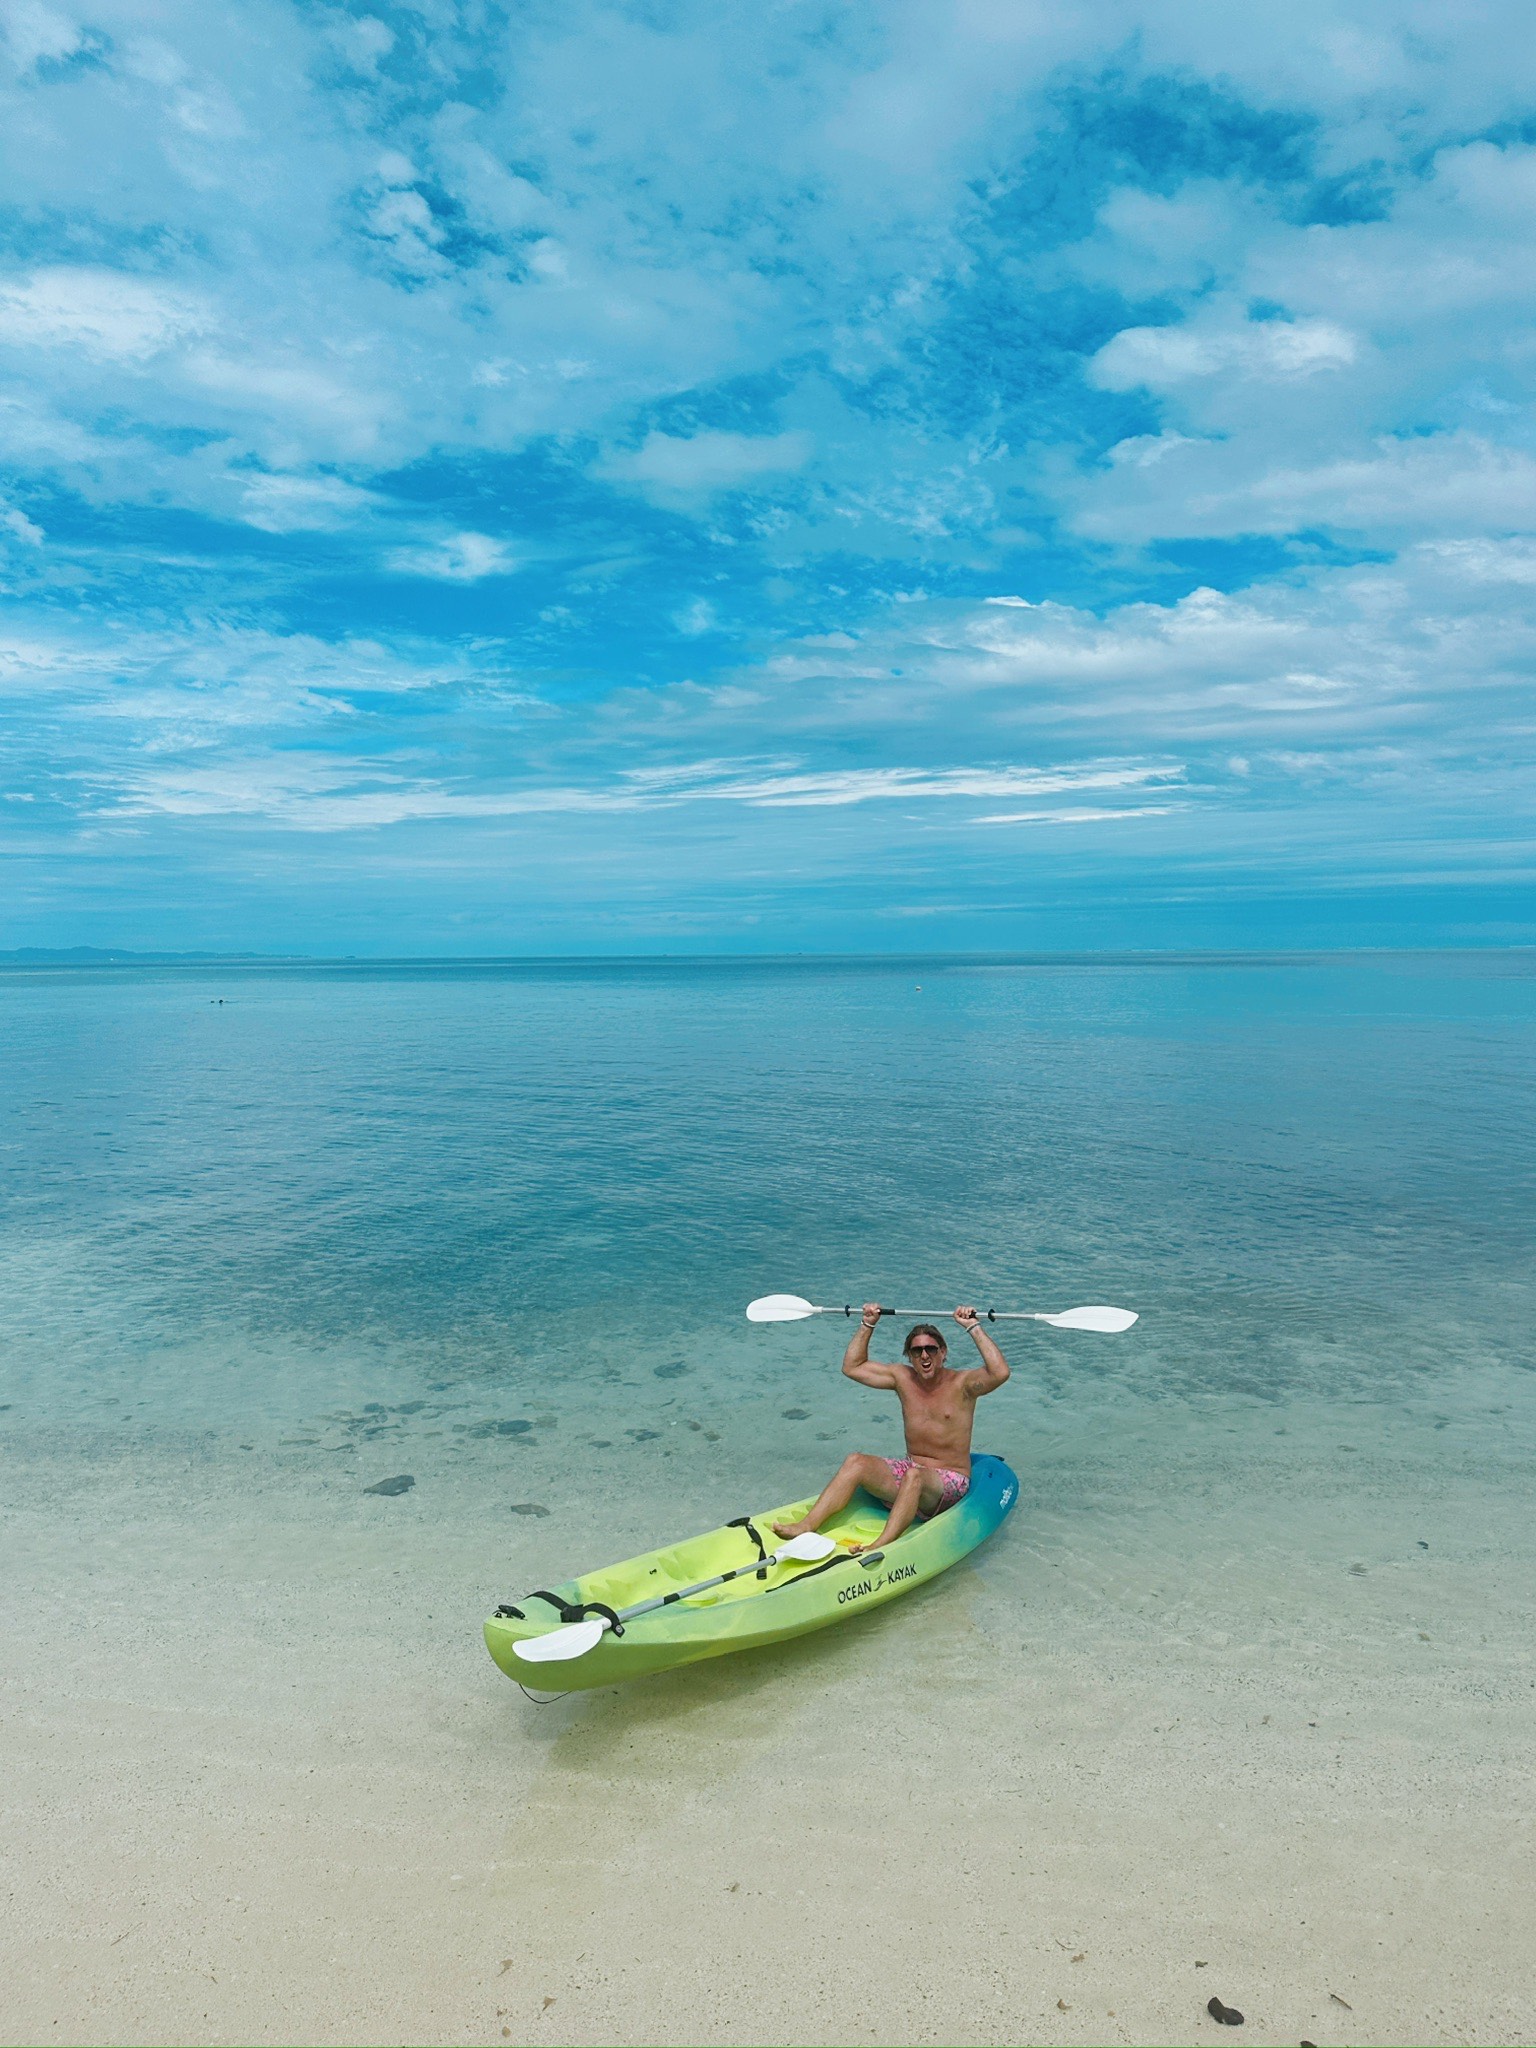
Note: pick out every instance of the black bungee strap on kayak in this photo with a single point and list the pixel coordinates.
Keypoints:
(863, 1558)
(568, 1610)
(601, 1607)
(563, 1608)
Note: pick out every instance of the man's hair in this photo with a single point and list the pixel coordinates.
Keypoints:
(922, 1330)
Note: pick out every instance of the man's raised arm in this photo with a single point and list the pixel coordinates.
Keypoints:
(993, 1370)
(856, 1359)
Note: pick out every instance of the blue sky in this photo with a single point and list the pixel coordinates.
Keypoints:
(690, 477)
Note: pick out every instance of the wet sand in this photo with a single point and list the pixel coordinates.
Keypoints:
(1229, 1708)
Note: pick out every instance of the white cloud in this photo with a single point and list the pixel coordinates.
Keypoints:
(669, 466)
(106, 313)
(1440, 637)
(1142, 451)
(1077, 817)
(1161, 357)
(832, 789)
(457, 558)
(1148, 244)
(362, 40)
(1451, 483)
(189, 688)
(340, 792)
(301, 504)
(695, 618)
(1385, 403)
(15, 522)
(35, 33)
(1484, 561)
(317, 405)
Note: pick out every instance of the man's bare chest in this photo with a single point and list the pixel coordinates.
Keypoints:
(940, 1408)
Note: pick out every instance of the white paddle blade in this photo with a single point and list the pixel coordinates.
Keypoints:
(778, 1308)
(1109, 1322)
(562, 1644)
(810, 1548)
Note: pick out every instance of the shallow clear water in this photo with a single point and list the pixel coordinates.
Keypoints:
(240, 1200)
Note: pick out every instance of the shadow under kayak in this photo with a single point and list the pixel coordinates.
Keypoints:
(767, 1604)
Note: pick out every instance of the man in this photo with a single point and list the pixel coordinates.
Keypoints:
(938, 1409)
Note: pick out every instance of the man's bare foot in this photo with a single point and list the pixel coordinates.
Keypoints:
(789, 1528)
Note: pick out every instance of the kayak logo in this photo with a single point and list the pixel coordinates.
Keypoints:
(1007, 1495)
(902, 1571)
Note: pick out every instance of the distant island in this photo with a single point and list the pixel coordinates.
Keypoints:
(105, 956)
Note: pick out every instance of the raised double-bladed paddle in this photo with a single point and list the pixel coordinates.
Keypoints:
(577, 1637)
(789, 1308)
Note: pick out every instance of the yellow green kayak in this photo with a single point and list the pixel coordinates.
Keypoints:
(760, 1602)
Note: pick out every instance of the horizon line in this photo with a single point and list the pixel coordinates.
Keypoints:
(122, 956)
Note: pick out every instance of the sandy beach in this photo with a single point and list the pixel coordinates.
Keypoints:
(1227, 1710)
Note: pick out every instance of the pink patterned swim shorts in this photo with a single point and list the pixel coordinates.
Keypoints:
(953, 1485)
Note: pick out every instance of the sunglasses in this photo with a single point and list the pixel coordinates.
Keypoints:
(924, 1350)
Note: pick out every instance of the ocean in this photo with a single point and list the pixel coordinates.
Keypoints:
(238, 1199)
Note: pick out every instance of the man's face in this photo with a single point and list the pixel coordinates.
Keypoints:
(926, 1356)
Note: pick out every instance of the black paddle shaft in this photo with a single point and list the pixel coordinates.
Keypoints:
(983, 1315)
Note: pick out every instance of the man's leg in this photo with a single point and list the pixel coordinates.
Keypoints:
(919, 1492)
(857, 1469)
